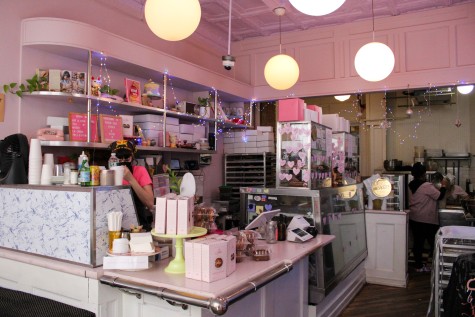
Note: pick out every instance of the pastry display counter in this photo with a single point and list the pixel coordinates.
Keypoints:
(269, 288)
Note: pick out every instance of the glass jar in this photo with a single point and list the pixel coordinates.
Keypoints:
(271, 232)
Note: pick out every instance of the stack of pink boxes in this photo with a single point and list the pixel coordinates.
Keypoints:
(210, 258)
(250, 141)
(296, 109)
(174, 214)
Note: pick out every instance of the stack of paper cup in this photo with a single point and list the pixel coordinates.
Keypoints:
(118, 174)
(46, 174)
(35, 162)
(48, 159)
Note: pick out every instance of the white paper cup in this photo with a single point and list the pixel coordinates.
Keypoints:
(49, 159)
(35, 148)
(120, 245)
(118, 175)
(46, 174)
(34, 171)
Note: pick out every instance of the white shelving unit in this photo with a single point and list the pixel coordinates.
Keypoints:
(44, 47)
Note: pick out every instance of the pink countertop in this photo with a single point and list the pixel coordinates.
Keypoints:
(246, 271)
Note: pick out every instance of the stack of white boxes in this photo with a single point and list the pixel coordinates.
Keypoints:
(190, 133)
(174, 214)
(336, 123)
(250, 141)
(210, 258)
(152, 127)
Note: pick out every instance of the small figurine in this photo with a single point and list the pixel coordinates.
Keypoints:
(96, 86)
(172, 140)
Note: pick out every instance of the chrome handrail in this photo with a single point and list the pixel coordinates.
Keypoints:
(217, 305)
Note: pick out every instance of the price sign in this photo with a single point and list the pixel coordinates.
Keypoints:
(78, 127)
(111, 128)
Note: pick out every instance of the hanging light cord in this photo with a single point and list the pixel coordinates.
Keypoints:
(280, 34)
(229, 27)
(372, 12)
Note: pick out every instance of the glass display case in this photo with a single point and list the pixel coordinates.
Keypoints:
(303, 155)
(345, 154)
(337, 211)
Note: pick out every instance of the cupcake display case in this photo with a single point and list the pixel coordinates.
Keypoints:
(303, 155)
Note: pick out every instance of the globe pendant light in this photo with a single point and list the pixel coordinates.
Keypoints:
(374, 61)
(172, 20)
(281, 71)
(316, 7)
(465, 89)
(342, 97)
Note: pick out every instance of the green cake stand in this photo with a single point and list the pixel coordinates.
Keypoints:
(177, 265)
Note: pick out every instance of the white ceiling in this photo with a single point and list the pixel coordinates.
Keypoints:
(254, 18)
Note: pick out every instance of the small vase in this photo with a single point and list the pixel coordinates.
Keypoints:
(205, 112)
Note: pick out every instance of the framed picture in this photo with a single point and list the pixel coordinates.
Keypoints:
(78, 127)
(132, 91)
(111, 128)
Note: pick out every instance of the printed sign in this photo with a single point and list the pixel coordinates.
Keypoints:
(78, 127)
(381, 187)
(111, 128)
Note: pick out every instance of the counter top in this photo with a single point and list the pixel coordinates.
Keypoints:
(246, 271)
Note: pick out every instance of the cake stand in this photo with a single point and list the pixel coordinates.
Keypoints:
(177, 265)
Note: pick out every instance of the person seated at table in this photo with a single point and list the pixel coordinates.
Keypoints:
(138, 178)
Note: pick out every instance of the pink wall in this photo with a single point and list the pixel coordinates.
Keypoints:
(431, 48)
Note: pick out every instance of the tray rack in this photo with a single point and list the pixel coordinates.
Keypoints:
(451, 241)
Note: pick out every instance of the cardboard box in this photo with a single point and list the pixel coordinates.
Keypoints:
(172, 128)
(231, 253)
(265, 144)
(228, 140)
(127, 125)
(150, 125)
(161, 215)
(185, 214)
(253, 150)
(191, 270)
(265, 129)
(186, 137)
(172, 209)
(199, 131)
(228, 146)
(149, 118)
(267, 149)
(332, 121)
(291, 109)
(251, 144)
(266, 136)
(251, 138)
(250, 132)
(173, 121)
(186, 128)
(213, 260)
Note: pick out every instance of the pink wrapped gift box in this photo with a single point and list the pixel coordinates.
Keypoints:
(291, 109)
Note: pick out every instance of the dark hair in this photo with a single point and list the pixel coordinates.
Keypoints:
(67, 74)
(418, 170)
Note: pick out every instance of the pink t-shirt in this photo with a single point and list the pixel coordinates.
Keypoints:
(423, 204)
(141, 175)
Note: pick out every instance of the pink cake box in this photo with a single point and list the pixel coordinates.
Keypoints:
(291, 109)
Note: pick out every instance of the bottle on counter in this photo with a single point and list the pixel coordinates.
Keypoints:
(84, 178)
(113, 160)
(281, 228)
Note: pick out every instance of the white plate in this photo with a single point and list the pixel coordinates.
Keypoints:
(188, 185)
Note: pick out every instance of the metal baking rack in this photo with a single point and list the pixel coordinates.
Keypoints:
(451, 241)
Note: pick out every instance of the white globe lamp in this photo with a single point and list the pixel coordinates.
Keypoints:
(465, 89)
(342, 97)
(316, 7)
(172, 20)
(374, 61)
(281, 72)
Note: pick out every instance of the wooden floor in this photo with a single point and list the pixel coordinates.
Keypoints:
(384, 301)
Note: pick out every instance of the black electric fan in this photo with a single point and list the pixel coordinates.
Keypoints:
(14, 153)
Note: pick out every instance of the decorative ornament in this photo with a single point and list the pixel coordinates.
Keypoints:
(458, 123)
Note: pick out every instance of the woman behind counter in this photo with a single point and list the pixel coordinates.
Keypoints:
(139, 179)
(423, 216)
